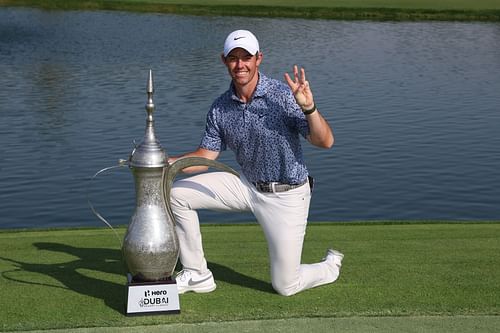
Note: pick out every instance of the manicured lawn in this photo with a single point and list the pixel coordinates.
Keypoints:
(75, 278)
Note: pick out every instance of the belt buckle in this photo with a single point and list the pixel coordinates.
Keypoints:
(266, 187)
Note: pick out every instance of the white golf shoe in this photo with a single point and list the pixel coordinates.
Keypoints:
(333, 259)
(190, 280)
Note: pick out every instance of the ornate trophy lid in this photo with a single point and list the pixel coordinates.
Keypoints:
(149, 153)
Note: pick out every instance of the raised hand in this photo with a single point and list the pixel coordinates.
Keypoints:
(300, 88)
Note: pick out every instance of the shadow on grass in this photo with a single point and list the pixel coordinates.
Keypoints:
(76, 275)
(226, 274)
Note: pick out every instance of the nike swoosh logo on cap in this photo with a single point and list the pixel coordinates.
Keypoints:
(236, 38)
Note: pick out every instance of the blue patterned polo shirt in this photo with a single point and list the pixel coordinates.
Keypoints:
(263, 134)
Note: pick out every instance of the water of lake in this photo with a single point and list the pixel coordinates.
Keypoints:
(415, 108)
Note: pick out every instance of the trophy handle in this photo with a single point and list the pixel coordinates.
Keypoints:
(121, 163)
(171, 171)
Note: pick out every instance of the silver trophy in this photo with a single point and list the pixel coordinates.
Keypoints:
(151, 247)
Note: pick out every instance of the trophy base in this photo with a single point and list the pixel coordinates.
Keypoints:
(148, 298)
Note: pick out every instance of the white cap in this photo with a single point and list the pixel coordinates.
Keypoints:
(241, 38)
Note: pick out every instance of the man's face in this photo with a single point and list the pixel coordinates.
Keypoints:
(242, 66)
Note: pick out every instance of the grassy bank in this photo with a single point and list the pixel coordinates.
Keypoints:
(423, 272)
(399, 10)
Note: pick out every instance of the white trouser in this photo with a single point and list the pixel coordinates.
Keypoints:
(282, 216)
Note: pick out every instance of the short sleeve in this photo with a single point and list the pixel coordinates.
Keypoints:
(212, 138)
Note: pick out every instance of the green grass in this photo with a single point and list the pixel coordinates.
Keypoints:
(407, 4)
(456, 10)
(427, 324)
(423, 272)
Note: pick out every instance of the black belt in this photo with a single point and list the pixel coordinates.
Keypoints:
(271, 187)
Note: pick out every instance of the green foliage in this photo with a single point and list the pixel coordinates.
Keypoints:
(76, 278)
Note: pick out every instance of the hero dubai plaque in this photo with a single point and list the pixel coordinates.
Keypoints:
(150, 247)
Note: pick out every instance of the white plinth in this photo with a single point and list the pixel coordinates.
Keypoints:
(146, 298)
